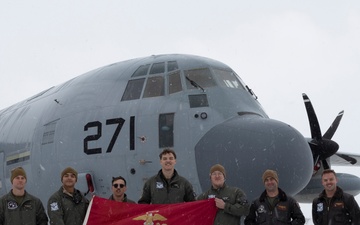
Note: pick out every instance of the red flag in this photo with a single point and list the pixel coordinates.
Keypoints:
(103, 211)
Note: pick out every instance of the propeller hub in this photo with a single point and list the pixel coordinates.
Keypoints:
(323, 148)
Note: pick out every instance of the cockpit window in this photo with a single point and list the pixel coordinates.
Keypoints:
(158, 68)
(174, 82)
(133, 89)
(141, 71)
(228, 79)
(154, 87)
(155, 75)
(199, 78)
(172, 65)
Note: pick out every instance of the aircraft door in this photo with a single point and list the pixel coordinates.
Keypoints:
(2, 178)
(141, 161)
(135, 176)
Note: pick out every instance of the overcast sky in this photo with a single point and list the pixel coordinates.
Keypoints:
(281, 49)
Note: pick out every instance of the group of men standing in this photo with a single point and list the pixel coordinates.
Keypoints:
(273, 207)
(68, 206)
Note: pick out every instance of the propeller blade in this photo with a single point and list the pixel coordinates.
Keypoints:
(347, 158)
(313, 121)
(330, 132)
(322, 147)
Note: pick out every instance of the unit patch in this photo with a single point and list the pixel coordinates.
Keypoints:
(261, 209)
(211, 196)
(159, 185)
(12, 205)
(320, 207)
(54, 206)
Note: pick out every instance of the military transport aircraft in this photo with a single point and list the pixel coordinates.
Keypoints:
(115, 120)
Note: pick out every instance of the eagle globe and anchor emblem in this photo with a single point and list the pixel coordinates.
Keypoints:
(151, 217)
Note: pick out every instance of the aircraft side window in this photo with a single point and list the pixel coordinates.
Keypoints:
(141, 71)
(166, 130)
(158, 68)
(174, 82)
(201, 77)
(133, 89)
(172, 65)
(228, 79)
(154, 87)
(198, 101)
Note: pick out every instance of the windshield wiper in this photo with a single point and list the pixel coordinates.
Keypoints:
(193, 83)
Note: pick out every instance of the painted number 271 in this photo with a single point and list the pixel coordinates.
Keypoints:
(97, 125)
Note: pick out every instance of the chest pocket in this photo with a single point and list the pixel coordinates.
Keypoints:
(175, 186)
(261, 214)
(27, 206)
(281, 213)
(341, 216)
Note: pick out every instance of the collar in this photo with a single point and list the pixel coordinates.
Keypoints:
(217, 189)
(282, 196)
(124, 199)
(164, 178)
(338, 193)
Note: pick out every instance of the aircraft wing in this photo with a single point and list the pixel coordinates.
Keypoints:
(345, 159)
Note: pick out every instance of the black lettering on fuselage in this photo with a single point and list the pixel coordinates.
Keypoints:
(94, 137)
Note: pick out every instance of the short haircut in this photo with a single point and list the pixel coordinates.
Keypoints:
(328, 171)
(167, 151)
(118, 178)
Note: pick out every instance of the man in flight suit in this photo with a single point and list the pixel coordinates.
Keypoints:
(274, 207)
(167, 186)
(333, 206)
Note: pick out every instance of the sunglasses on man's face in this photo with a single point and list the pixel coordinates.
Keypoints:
(119, 185)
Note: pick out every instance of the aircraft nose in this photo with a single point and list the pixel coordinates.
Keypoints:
(248, 145)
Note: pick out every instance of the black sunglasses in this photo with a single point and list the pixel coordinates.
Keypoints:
(121, 185)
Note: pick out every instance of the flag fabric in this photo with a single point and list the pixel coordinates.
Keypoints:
(102, 211)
